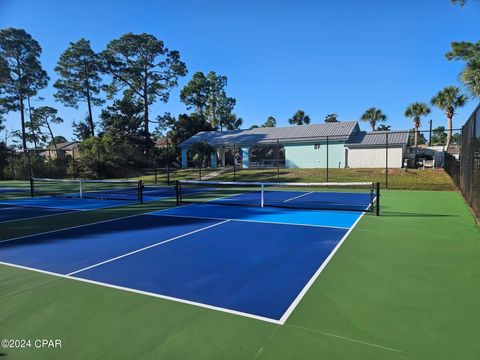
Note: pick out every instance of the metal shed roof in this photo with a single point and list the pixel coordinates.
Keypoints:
(299, 133)
(378, 139)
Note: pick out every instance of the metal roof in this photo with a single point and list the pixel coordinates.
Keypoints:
(289, 134)
(69, 145)
(378, 139)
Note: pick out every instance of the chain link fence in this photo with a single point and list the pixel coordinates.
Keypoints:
(465, 171)
(388, 157)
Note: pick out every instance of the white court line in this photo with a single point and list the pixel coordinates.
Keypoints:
(38, 206)
(302, 293)
(40, 216)
(348, 339)
(299, 196)
(152, 213)
(146, 248)
(164, 297)
(82, 225)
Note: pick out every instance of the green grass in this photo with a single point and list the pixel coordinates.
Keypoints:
(412, 179)
(404, 285)
(175, 174)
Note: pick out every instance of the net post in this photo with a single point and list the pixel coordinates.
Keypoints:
(262, 196)
(32, 187)
(80, 188)
(377, 199)
(140, 191)
(177, 192)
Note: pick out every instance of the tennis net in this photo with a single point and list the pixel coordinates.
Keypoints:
(130, 190)
(352, 196)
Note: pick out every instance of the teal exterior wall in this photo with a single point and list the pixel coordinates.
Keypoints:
(184, 158)
(315, 155)
(213, 160)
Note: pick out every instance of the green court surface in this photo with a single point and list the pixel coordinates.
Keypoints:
(405, 285)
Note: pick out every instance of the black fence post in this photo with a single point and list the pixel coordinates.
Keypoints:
(168, 165)
(327, 157)
(430, 133)
(377, 199)
(278, 160)
(178, 192)
(234, 161)
(140, 191)
(32, 188)
(29, 164)
(74, 166)
(386, 160)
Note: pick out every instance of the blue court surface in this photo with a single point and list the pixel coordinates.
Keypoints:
(29, 208)
(14, 212)
(255, 262)
(303, 199)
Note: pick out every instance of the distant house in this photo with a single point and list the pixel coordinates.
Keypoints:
(337, 144)
(70, 148)
(161, 143)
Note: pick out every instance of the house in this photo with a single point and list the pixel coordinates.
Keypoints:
(337, 144)
(369, 150)
(70, 148)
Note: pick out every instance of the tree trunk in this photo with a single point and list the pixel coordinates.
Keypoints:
(22, 117)
(34, 138)
(24, 139)
(90, 115)
(145, 105)
(449, 132)
(53, 138)
(145, 110)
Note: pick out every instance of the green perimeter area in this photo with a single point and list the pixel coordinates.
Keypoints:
(398, 179)
(410, 179)
(404, 285)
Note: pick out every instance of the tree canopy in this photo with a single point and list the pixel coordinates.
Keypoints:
(141, 66)
(373, 116)
(416, 111)
(299, 118)
(206, 95)
(448, 100)
(21, 72)
(331, 118)
(79, 69)
(470, 54)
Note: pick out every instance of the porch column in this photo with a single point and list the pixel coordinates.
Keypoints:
(245, 157)
(213, 159)
(184, 158)
(221, 155)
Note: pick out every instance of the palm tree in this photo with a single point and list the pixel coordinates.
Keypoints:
(201, 153)
(449, 99)
(373, 115)
(331, 118)
(416, 111)
(299, 118)
(384, 127)
(232, 122)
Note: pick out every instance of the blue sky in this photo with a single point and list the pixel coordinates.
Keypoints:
(279, 56)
